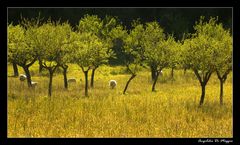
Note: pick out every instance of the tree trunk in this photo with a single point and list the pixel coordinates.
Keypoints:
(27, 72)
(203, 79)
(185, 70)
(125, 89)
(222, 79)
(40, 65)
(86, 83)
(92, 77)
(15, 69)
(50, 82)
(221, 92)
(203, 85)
(153, 72)
(154, 83)
(65, 77)
(172, 72)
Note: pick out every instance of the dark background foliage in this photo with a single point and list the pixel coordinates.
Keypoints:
(173, 20)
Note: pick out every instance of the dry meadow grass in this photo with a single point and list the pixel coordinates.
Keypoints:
(172, 111)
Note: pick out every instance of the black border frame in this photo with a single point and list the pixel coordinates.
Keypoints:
(44, 3)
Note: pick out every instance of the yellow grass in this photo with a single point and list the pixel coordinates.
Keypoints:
(172, 111)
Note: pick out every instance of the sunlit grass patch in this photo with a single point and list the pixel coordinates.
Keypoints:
(171, 111)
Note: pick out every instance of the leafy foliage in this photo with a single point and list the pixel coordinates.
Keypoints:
(159, 48)
(50, 39)
(84, 49)
(133, 47)
(91, 44)
(99, 28)
(20, 47)
(201, 48)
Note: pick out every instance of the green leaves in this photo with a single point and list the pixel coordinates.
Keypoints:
(148, 43)
(209, 47)
(94, 40)
(133, 42)
(90, 24)
(20, 48)
(133, 47)
(51, 40)
(159, 50)
(85, 49)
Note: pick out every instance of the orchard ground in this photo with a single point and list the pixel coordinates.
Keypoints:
(172, 111)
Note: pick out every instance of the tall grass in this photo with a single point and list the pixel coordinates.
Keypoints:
(172, 111)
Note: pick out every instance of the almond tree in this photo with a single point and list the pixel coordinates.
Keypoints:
(159, 54)
(134, 50)
(65, 52)
(84, 52)
(50, 38)
(200, 51)
(102, 29)
(11, 42)
(223, 55)
(184, 64)
(20, 48)
(174, 59)
(153, 34)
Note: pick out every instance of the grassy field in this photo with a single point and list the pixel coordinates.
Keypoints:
(172, 111)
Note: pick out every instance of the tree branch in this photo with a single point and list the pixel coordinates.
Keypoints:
(28, 65)
(198, 76)
(208, 75)
(55, 67)
(226, 73)
(82, 68)
(129, 69)
(219, 75)
(45, 65)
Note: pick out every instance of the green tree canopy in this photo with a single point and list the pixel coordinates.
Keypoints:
(84, 52)
(201, 50)
(21, 49)
(133, 50)
(50, 39)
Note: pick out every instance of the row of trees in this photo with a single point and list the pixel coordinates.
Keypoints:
(90, 44)
(56, 44)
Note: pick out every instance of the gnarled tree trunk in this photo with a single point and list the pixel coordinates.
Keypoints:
(203, 80)
(221, 92)
(50, 82)
(185, 71)
(132, 77)
(155, 81)
(86, 83)
(172, 73)
(222, 80)
(65, 67)
(27, 72)
(51, 70)
(153, 71)
(15, 69)
(40, 65)
(203, 94)
(92, 77)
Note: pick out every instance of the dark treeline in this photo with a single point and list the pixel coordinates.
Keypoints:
(173, 20)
